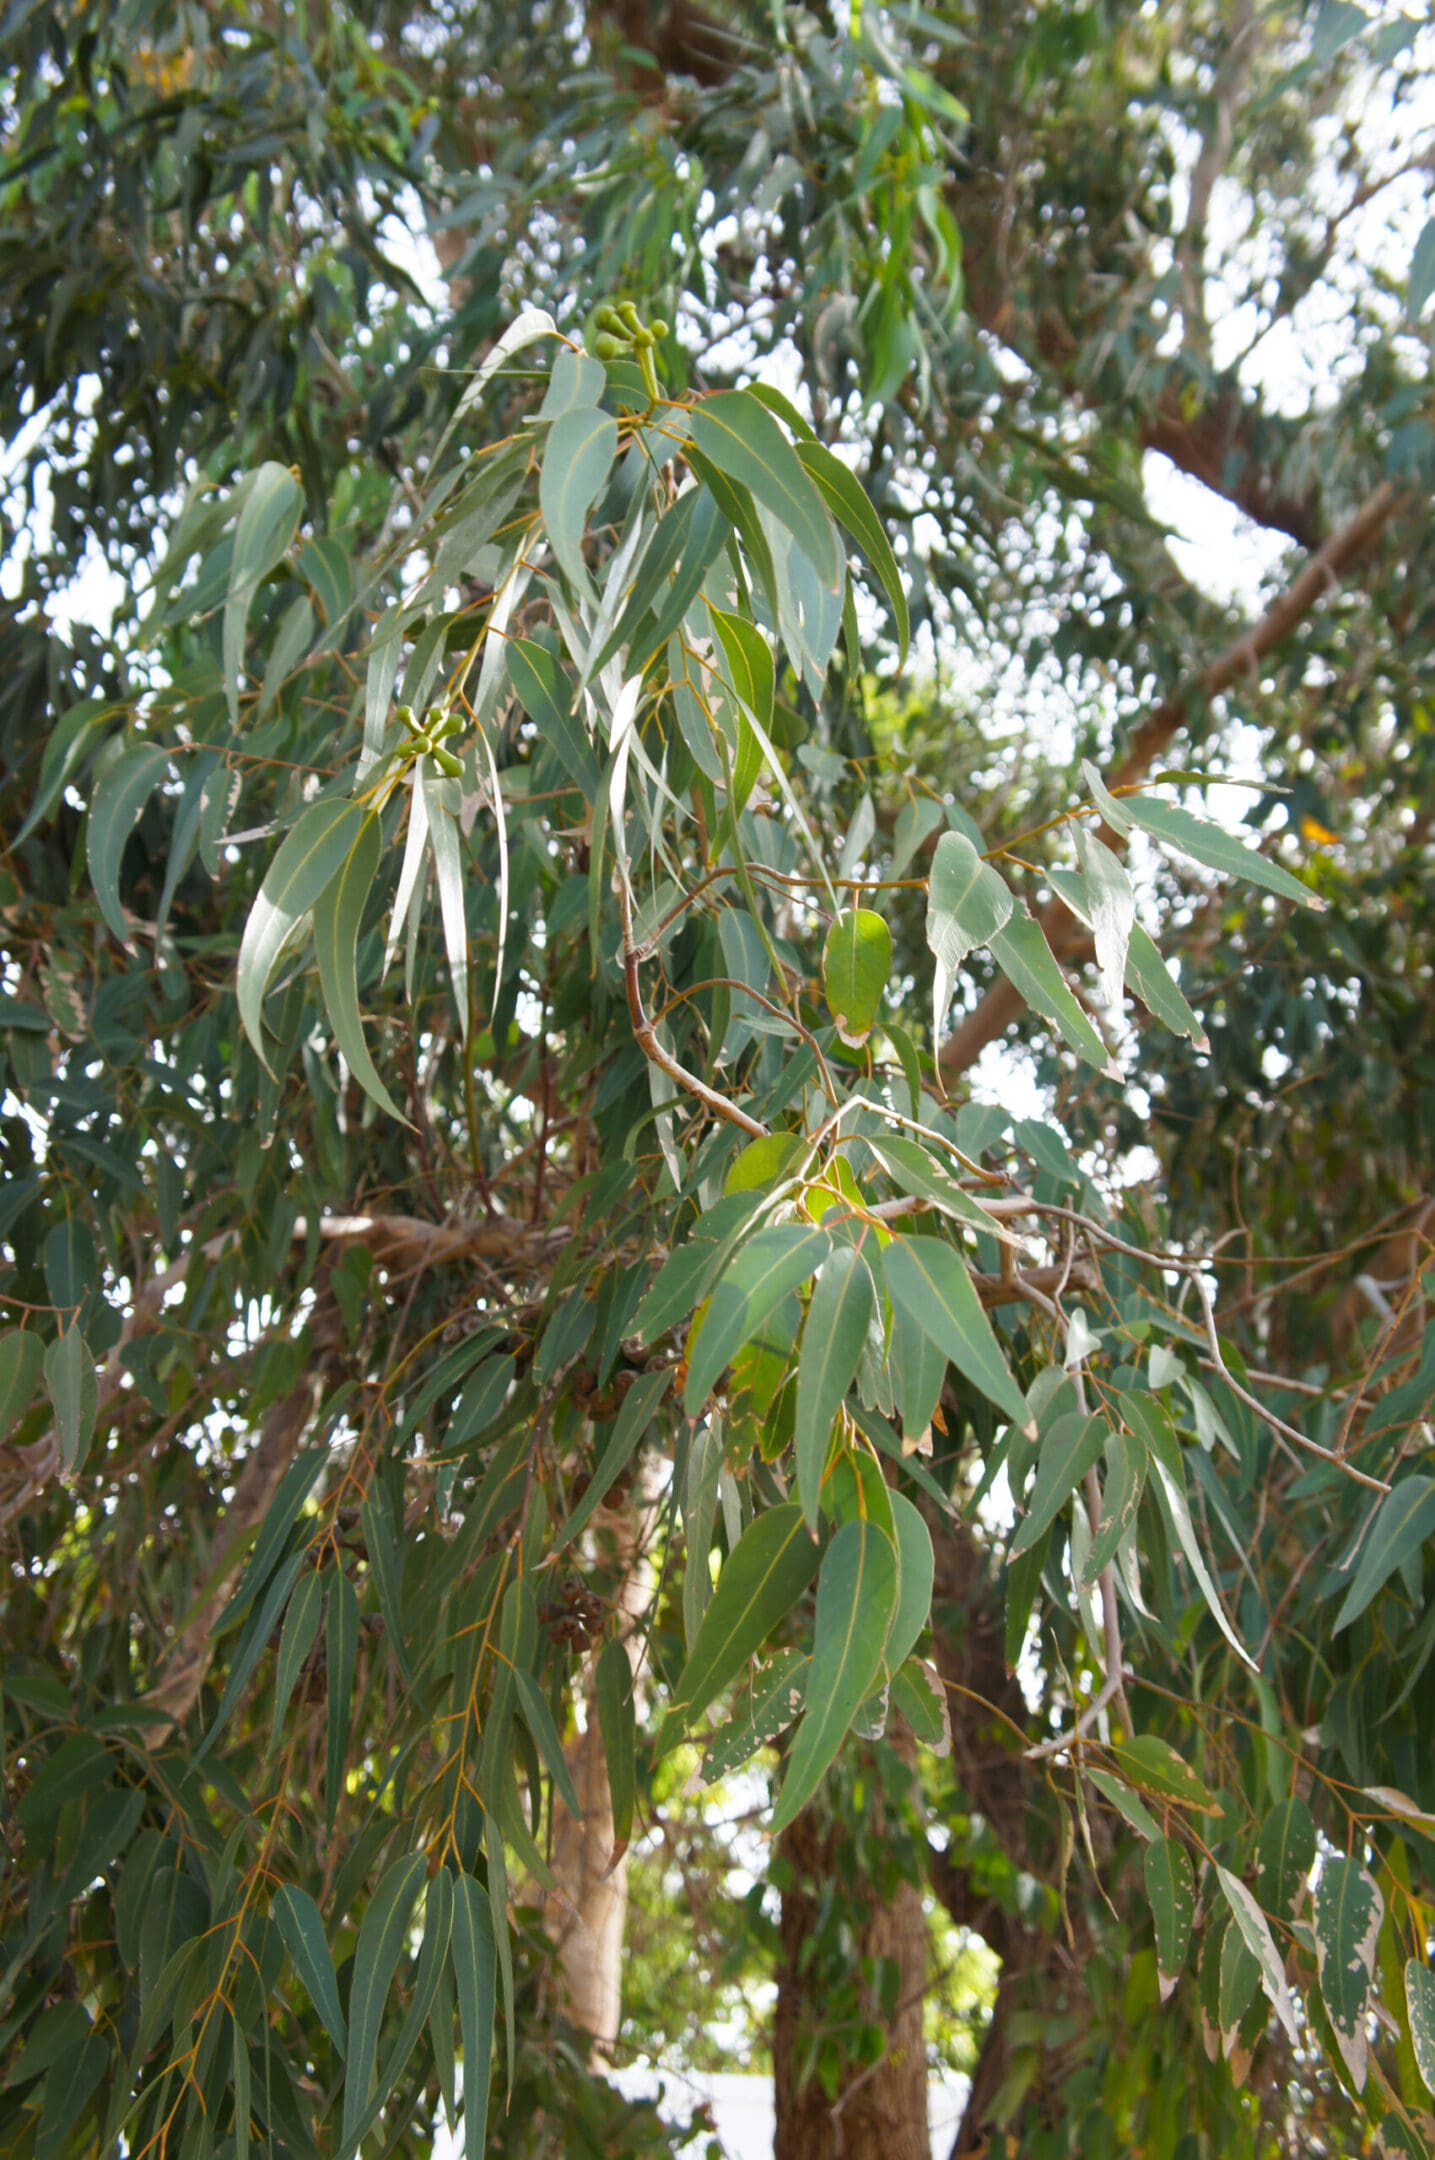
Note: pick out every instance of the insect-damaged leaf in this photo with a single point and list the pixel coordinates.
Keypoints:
(1171, 1888)
(1348, 1913)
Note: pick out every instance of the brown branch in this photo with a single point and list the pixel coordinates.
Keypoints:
(1002, 1003)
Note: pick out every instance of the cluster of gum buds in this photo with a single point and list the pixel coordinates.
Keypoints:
(621, 330)
(429, 740)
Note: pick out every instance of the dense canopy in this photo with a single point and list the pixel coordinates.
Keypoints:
(717, 1093)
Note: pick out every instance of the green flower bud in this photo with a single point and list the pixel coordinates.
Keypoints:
(447, 762)
(660, 328)
(609, 348)
(632, 320)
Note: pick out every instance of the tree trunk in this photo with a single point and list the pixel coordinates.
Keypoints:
(880, 2109)
(587, 1907)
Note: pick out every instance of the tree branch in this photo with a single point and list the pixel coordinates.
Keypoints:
(1002, 1003)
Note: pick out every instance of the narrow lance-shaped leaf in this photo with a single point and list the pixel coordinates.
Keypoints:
(617, 1724)
(916, 1572)
(341, 1645)
(267, 525)
(1256, 1933)
(22, 1358)
(1070, 1448)
(847, 499)
(833, 1339)
(576, 462)
(633, 1420)
(856, 1598)
(930, 1280)
(773, 1563)
(1171, 1888)
(775, 1262)
(301, 1625)
(744, 441)
(1420, 2002)
(1348, 1913)
(433, 1951)
(1219, 850)
(382, 1935)
(74, 1393)
(441, 798)
(1113, 912)
(1403, 1519)
(338, 916)
(302, 1931)
(313, 853)
(1285, 1853)
(474, 1956)
(122, 789)
(1124, 1483)
(1024, 957)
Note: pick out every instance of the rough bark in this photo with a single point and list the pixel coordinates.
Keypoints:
(882, 2110)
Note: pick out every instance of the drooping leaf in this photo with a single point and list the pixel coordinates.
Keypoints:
(744, 441)
(930, 1280)
(341, 1637)
(473, 1952)
(302, 1929)
(1070, 1447)
(546, 696)
(856, 1598)
(1404, 1518)
(640, 1406)
(338, 916)
(1121, 1491)
(775, 1699)
(1285, 1853)
(22, 1359)
(1113, 912)
(771, 1265)
(774, 1561)
(1347, 1917)
(1024, 957)
(1420, 2003)
(267, 525)
(312, 854)
(74, 1393)
(301, 1625)
(576, 462)
(968, 903)
(1254, 1929)
(916, 1570)
(617, 1723)
(856, 961)
(383, 1933)
(833, 1339)
(1153, 1766)
(1171, 1888)
(847, 499)
(1211, 845)
(123, 788)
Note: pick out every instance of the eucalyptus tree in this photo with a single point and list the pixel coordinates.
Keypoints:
(511, 1298)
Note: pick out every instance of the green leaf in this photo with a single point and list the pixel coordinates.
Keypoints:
(911, 1167)
(617, 1723)
(1255, 1931)
(577, 380)
(122, 789)
(1153, 1766)
(750, 665)
(640, 1406)
(1237, 1980)
(1403, 1519)
(774, 1263)
(916, 1570)
(1125, 1802)
(920, 1697)
(576, 463)
(1113, 911)
(744, 441)
(546, 695)
(1171, 1888)
(302, 1931)
(1348, 1913)
(1420, 2002)
(1422, 284)
(539, 1719)
(441, 802)
(22, 1359)
(1146, 1419)
(312, 853)
(1024, 957)
(968, 903)
(766, 1574)
(1121, 1492)
(262, 538)
(776, 1696)
(833, 1339)
(473, 1953)
(338, 917)
(1285, 1854)
(74, 1393)
(856, 1598)
(382, 1936)
(1069, 1448)
(856, 961)
(930, 1280)
(847, 499)
(1219, 850)
(301, 1625)
(341, 1641)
